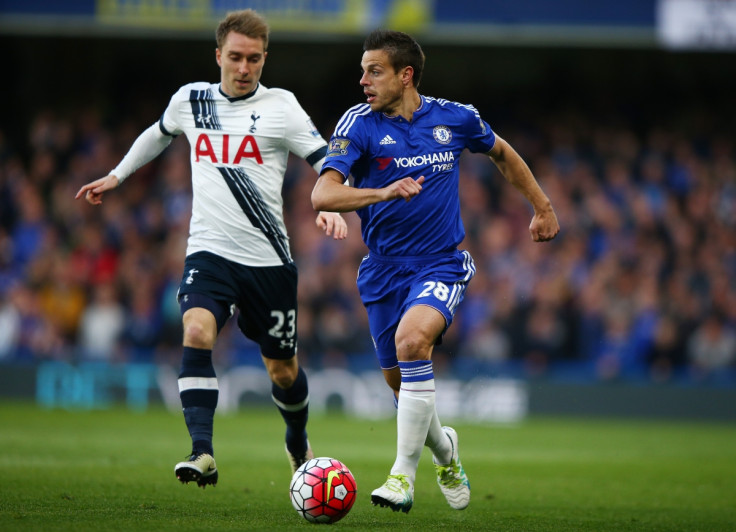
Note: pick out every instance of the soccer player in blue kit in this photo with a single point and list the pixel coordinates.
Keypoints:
(401, 145)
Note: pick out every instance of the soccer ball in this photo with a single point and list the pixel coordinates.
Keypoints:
(322, 490)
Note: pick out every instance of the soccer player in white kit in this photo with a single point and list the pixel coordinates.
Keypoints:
(240, 134)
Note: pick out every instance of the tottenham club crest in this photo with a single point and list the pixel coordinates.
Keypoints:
(254, 116)
(442, 134)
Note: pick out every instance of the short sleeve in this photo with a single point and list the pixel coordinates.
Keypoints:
(480, 136)
(347, 144)
(302, 137)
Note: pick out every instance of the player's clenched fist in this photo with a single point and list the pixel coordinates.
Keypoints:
(405, 188)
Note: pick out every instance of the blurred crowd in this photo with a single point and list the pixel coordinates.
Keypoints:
(640, 283)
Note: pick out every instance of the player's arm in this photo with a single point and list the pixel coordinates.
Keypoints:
(146, 147)
(544, 225)
(330, 222)
(330, 193)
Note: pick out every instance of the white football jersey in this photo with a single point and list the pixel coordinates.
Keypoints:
(239, 150)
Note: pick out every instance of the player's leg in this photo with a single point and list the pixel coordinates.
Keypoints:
(415, 338)
(431, 302)
(204, 299)
(443, 289)
(290, 393)
(417, 412)
(202, 317)
(383, 287)
(268, 313)
(436, 440)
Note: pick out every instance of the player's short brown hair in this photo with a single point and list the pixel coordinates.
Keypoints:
(246, 22)
(401, 48)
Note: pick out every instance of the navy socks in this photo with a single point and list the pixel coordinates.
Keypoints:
(294, 407)
(198, 391)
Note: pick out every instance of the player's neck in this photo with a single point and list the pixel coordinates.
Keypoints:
(409, 104)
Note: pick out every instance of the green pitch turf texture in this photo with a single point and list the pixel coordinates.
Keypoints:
(114, 470)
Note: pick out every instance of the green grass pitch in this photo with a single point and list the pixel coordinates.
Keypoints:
(113, 470)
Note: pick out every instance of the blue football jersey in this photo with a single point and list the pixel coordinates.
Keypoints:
(377, 150)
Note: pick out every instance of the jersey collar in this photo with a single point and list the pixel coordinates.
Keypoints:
(417, 111)
(422, 106)
(239, 98)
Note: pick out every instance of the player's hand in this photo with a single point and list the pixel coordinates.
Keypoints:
(93, 191)
(405, 188)
(332, 224)
(544, 226)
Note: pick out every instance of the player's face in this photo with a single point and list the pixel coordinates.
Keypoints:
(382, 85)
(241, 62)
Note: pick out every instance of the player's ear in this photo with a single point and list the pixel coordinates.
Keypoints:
(218, 56)
(407, 76)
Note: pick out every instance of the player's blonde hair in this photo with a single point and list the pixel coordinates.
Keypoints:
(246, 22)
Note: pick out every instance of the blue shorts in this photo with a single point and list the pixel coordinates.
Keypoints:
(389, 286)
(265, 296)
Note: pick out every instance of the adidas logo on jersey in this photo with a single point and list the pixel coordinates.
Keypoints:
(387, 140)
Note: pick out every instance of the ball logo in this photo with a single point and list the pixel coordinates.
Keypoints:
(332, 475)
(442, 134)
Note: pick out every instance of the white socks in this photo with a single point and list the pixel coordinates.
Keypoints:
(438, 441)
(416, 420)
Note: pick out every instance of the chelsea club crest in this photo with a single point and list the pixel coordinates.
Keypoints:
(442, 134)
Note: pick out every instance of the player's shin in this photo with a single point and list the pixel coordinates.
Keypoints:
(415, 411)
(293, 404)
(198, 390)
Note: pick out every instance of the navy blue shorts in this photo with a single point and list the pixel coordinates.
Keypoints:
(265, 297)
(389, 286)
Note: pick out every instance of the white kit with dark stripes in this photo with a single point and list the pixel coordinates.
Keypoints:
(239, 152)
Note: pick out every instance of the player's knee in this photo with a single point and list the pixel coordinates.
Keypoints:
(411, 346)
(282, 375)
(197, 335)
